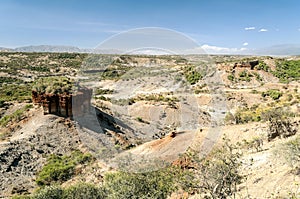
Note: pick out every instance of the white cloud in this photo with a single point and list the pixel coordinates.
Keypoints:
(222, 50)
(299, 29)
(250, 28)
(263, 30)
(245, 44)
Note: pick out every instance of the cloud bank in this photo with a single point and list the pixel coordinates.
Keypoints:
(263, 30)
(250, 28)
(223, 50)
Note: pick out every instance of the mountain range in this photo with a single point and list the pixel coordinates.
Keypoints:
(277, 50)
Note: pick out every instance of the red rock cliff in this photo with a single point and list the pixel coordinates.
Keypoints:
(64, 104)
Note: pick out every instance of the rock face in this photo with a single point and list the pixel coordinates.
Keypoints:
(250, 64)
(64, 104)
(21, 159)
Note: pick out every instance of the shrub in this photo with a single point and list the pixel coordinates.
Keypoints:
(245, 76)
(275, 94)
(103, 98)
(291, 153)
(22, 197)
(243, 73)
(2, 103)
(50, 192)
(15, 116)
(61, 168)
(192, 75)
(100, 91)
(254, 91)
(139, 119)
(53, 85)
(122, 102)
(15, 91)
(77, 191)
(287, 70)
(38, 68)
(254, 143)
(83, 190)
(246, 115)
(219, 172)
(154, 184)
(257, 76)
(262, 66)
(279, 124)
(10, 80)
(115, 72)
(230, 77)
(229, 118)
(156, 98)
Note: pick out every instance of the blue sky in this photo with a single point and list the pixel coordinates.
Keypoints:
(228, 24)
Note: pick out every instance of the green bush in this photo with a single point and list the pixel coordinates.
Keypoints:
(258, 77)
(287, 70)
(103, 98)
(77, 191)
(83, 190)
(53, 85)
(245, 76)
(22, 197)
(15, 116)
(100, 91)
(243, 73)
(38, 68)
(262, 66)
(115, 72)
(2, 103)
(156, 98)
(15, 91)
(192, 75)
(10, 80)
(61, 168)
(275, 94)
(50, 192)
(246, 115)
(279, 124)
(230, 77)
(155, 184)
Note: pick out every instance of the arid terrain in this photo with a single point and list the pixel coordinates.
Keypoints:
(150, 113)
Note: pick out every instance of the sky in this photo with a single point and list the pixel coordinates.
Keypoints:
(227, 24)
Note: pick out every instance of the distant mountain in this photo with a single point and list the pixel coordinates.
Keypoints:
(60, 48)
(2, 49)
(47, 48)
(280, 50)
(284, 49)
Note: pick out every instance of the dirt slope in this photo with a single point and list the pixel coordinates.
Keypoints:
(25, 152)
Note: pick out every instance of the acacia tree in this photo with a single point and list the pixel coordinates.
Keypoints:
(218, 173)
(279, 124)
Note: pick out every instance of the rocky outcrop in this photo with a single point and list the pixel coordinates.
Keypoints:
(22, 159)
(250, 64)
(64, 104)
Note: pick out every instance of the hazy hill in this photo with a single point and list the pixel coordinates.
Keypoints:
(47, 48)
(283, 49)
(280, 50)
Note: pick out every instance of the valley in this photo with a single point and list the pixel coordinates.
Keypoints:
(148, 114)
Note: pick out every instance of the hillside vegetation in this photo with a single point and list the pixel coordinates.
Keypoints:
(170, 127)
